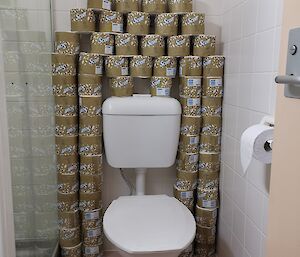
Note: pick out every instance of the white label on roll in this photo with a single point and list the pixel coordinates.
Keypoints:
(106, 4)
(171, 72)
(209, 203)
(194, 82)
(124, 71)
(98, 70)
(194, 140)
(94, 232)
(215, 82)
(108, 49)
(187, 195)
(193, 158)
(116, 27)
(163, 91)
(193, 102)
(91, 216)
(91, 250)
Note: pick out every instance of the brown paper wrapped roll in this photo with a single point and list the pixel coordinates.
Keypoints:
(92, 236)
(91, 165)
(100, 4)
(210, 144)
(66, 106)
(190, 66)
(206, 235)
(90, 126)
(69, 237)
(161, 86)
(67, 164)
(141, 66)
(206, 217)
(190, 125)
(67, 202)
(153, 45)
(71, 251)
(208, 180)
(90, 106)
(111, 21)
(90, 201)
(211, 126)
(126, 45)
(186, 197)
(66, 146)
(90, 183)
(204, 45)
(93, 251)
(191, 106)
(209, 162)
(64, 85)
(138, 23)
(187, 161)
(102, 43)
(154, 6)
(189, 144)
(166, 24)
(91, 145)
(64, 64)
(213, 66)
(188, 252)
(82, 20)
(68, 219)
(165, 66)
(116, 66)
(208, 198)
(67, 43)
(204, 249)
(67, 184)
(179, 46)
(125, 6)
(180, 6)
(186, 181)
(90, 64)
(89, 85)
(211, 106)
(190, 87)
(213, 87)
(91, 219)
(193, 23)
(66, 126)
(121, 86)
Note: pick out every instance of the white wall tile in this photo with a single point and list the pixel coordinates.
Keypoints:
(253, 239)
(249, 20)
(237, 247)
(239, 224)
(247, 59)
(267, 14)
(239, 188)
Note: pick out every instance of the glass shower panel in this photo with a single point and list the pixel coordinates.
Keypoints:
(25, 33)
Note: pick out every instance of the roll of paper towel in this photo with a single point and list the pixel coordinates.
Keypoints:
(253, 145)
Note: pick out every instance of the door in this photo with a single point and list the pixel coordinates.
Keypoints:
(284, 211)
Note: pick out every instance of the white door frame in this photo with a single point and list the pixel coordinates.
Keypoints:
(7, 231)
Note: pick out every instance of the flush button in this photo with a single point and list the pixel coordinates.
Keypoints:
(293, 49)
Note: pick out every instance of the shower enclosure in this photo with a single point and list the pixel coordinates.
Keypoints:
(29, 177)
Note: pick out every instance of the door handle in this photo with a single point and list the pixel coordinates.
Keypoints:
(288, 79)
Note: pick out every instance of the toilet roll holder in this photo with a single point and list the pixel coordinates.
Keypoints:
(268, 121)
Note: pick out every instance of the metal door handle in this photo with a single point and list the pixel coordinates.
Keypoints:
(289, 80)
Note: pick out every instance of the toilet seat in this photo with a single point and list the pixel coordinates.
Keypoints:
(143, 224)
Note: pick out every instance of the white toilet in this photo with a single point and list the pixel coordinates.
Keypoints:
(142, 132)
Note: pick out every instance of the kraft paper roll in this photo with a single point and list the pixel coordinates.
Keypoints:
(71, 251)
(154, 6)
(253, 145)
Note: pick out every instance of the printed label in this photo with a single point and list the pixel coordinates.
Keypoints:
(124, 71)
(194, 82)
(215, 83)
(116, 27)
(187, 195)
(91, 216)
(193, 158)
(171, 72)
(91, 250)
(94, 232)
(138, 19)
(106, 4)
(193, 102)
(163, 91)
(209, 203)
(194, 140)
(108, 49)
(98, 70)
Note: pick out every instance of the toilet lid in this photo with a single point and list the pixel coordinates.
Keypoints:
(139, 224)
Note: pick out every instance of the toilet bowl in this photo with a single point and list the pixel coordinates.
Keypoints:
(151, 225)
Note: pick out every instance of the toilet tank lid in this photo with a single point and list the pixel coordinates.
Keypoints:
(141, 105)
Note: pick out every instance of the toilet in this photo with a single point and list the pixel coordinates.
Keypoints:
(142, 132)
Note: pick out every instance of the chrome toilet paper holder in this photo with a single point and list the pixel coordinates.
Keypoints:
(268, 121)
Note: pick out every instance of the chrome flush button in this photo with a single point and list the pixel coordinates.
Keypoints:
(293, 49)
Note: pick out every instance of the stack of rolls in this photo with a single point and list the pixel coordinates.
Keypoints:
(90, 151)
(209, 160)
(64, 77)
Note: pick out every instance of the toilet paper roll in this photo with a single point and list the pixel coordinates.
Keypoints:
(253, 145)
